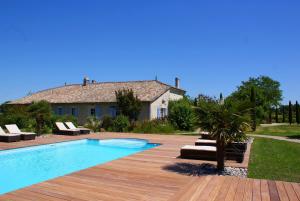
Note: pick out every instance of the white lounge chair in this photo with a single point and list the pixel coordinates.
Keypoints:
(13, 129)
(73, 127)
(63, 130)
(204, 142)
(199, 152)
(7, 137)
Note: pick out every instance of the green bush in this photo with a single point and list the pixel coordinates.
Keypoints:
(16, 115)
(181, 115)
(154, 126)
(121, 124)
(93, 123)
(107, 122)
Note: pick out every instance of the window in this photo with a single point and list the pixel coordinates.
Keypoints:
(74, 111)
(161, 112)
(113, 111)
(93, 112)
(60, 111)
(98, 112)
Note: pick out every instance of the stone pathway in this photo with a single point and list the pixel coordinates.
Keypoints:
(276, 138)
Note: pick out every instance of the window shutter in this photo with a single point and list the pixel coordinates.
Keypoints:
(98, 112)
(158, 113)
(77, 112)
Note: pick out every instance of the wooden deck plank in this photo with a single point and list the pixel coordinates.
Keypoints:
(224, 189)
(240, 191)
(296, 188)
(274, 196)
(232, 190)
(265, 193)
(214, 193)
(204, 195)
(281, 191)
(290, 191)
(248, 190)
(256, 190)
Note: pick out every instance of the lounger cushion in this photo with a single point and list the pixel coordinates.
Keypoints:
(199, 148)
(71, 125)
(13, 128)
(2, 131)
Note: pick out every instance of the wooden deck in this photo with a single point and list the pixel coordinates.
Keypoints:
(156, 174)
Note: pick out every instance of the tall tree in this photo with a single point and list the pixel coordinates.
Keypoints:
(253, 106)
(195, 102)
(41, 112)
(270, 116)
(128, 104)
(276, 115)
(297, 113)
(283, 114)
(268, 94)
(290, 113)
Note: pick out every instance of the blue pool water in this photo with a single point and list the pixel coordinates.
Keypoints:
(26, 166)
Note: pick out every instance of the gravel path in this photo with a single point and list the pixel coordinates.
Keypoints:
(276, 138)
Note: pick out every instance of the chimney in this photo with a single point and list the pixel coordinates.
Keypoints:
(86, 81)
(177, 82)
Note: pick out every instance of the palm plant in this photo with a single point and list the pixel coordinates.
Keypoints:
(225, 122)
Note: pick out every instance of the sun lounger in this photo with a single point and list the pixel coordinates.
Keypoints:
(199, 152)
(13, 129)
(73, 127)
(204, 142)
(63, 130)
(205, 135)
(233, 150)
(4, 137)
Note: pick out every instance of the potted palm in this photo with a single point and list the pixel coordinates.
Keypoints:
(225, 122)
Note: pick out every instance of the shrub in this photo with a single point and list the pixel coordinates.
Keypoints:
(121, 124)
(154, 126)
(12, 114)
(107, 122)
(181, 115)
(93, 123)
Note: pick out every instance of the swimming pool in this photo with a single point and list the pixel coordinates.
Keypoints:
(27, 166)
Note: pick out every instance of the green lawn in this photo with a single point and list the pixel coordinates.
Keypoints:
(275, 160)
(292, 131)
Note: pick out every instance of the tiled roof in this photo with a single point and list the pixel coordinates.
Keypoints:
(146, 91)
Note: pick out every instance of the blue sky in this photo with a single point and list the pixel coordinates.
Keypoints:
(211, 45)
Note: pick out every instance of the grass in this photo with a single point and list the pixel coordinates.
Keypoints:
(291, 131)
(275, 160)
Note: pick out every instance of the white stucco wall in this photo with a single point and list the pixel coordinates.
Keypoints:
(163, 102)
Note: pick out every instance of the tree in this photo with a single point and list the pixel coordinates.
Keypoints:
(297, 113)
(225, 122)
(283, 114)
(253, 105)
(267, 90)
(290, 113)
(128, 104)
(195, 102)
(276, 115)
(41, 112)
(270, 115)
(181, 114)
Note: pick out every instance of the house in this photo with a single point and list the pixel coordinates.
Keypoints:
(98, 99)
